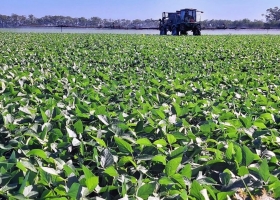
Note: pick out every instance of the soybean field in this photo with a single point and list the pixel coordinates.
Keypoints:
(108, 116)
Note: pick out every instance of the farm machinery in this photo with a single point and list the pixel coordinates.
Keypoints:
(180, 22)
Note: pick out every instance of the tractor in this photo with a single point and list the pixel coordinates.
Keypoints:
(180, 22)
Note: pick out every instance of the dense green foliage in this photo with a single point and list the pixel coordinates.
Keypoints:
(127, 116)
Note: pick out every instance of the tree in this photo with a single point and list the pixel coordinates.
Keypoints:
(95, 21)
(3, 20)
(272, 14)
(21, 19)
(82, 21)
(31, 19)
(15, 19)
(107, 23)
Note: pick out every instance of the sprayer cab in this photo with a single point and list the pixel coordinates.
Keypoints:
(188, 15)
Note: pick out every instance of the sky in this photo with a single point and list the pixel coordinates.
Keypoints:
(139, 9)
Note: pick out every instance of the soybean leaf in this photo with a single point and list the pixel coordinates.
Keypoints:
(27, 192)
(37, 152)
(124, 189)
(44, 116)
(277, 192)
(178, 178)
(92, 183)
(172, 165)
(211, 191)
(71, 133)
(224, 195)
(160, 114)
(238, 154)
(187, 171)
(146, 190)
(246, 121)
(230, 151)
(205, 128)
(29, 166)
(100, 142)
(21, 167)
(225, 178)
(144, 141)
(106, 158)
(264, 170)
(24, 183)
(79, 127)
(171, 139)
(75, 191)
(160, 143)
(76, 142)
(139, 126)
(177, 109)
(103, 119)
(50, 170)
(123, 146)
(205, 194)
(160, 158)
(126, 159)
(195, 190)
(242, 171)
(178, 152)
(248, 156)
(88, 173)
(260, 125)
(111, 171)
(166, 181)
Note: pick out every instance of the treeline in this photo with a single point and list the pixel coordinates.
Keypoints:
(239, 24)
(95, 22)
